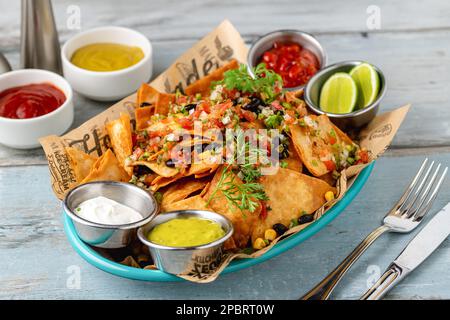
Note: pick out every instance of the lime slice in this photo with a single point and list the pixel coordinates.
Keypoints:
(368, 83)
(339, 94)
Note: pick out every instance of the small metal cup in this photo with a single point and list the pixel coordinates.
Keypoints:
(196, 260)
(266, 42)
(103, 235)
(355, 119)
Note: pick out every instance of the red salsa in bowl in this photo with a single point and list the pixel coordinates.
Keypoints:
(294, 63)
(30, 101)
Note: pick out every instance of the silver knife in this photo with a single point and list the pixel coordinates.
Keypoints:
(420, 248)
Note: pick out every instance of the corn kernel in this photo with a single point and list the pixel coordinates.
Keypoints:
(270, 234)
(259, 244)
(329, 195)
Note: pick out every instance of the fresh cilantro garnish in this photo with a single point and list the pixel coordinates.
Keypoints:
(266, 82)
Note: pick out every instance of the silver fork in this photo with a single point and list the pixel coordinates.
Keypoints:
(404, 217)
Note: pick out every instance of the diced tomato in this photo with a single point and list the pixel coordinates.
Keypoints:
(248, 115)
(329, 164)
(332, 139)
(363, 156)
(182, 99)
(156, 133)
(196, 113)
(138, 152)
(205, 106)
(224, 107)
(276, 105)
(185, 123)
(216, 123)
(230, 93)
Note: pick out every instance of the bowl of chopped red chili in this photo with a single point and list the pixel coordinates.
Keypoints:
(295, 55)
(33, 103)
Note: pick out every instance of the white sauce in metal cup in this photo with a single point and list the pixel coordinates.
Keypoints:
(106, 211)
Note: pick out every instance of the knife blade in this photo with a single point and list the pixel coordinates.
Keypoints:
(426, 241)
(417, 251)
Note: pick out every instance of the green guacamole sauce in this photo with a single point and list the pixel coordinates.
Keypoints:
(186, 232)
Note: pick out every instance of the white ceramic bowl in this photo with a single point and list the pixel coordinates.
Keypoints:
(24, 133)
(109, 85)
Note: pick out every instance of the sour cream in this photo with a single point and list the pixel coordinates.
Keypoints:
(106, 211)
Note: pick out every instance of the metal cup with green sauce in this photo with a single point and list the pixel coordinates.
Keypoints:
(189, 260)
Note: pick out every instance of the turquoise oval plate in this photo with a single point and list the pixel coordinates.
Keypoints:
(120, 270)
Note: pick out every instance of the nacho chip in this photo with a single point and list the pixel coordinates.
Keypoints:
(203, 85)
(159, 168)
(143, 116)
(119, 132)
(80, 162)
(193, 203)
(314, 142)
(243, 221)
(204, 163)
(163, 102)
(181, 190)
(293, 161)
(146, 96)
(155, 101)
(203, 175)
(107, 168)
(160, 182)
(290, 193)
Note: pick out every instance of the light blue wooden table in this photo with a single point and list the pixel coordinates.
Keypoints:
(412, 48)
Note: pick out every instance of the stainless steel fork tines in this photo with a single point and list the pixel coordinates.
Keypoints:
(404, 217)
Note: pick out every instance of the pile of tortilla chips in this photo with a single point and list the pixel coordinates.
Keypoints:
(297, 188)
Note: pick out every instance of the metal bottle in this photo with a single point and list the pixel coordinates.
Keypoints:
(39, 38)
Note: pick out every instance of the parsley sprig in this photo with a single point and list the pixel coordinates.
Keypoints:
(266, 83)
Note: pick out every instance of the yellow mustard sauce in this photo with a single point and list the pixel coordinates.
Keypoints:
(186, 232)
(106, 56)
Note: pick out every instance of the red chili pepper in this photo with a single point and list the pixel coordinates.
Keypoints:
(263, 213)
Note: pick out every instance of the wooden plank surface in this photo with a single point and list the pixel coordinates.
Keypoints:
(35, 255)
(412, 48)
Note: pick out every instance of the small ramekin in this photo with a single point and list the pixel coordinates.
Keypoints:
(25, 133)
(267, 41)
(187, 260)
(109, 85)
(355, 119)
(104, 235)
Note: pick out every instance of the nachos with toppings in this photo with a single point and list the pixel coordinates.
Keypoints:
(234, 144)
